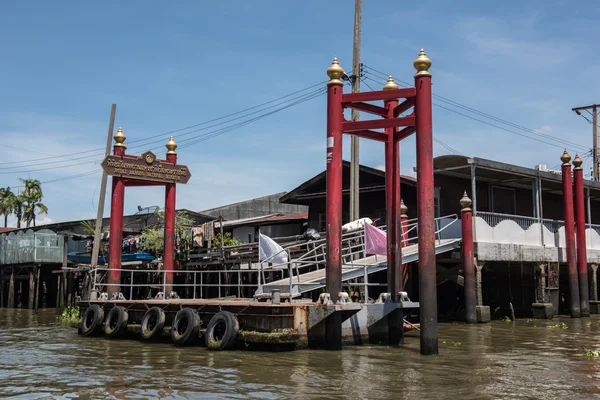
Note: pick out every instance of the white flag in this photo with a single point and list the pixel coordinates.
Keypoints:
(271, 251)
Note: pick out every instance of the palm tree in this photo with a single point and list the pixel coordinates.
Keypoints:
(7, 199)
(18, 205)
(32, 196)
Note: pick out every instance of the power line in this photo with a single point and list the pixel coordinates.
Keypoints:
(69, 156)
(489, 116)
(196, 138)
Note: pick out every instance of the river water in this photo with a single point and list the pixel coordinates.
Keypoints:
(41, 358)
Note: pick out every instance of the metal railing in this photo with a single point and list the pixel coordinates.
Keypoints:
(493, 219)
(235, 281)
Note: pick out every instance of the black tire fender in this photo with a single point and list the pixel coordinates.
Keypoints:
(185, 327)
(116, 322)
(222, 331)
(153, 323)
(92, 320)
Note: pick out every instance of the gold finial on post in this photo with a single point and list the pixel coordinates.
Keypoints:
(171, 146)
(390, 84)
(465, 202)
(403, 208)
(335, 72)
(577, 162)
(120, 138)
(565, 158)
(422, 64)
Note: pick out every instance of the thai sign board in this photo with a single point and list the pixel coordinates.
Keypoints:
(146, 167)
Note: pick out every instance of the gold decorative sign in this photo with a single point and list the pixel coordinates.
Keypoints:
(146, 167)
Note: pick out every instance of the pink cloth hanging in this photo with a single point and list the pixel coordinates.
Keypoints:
(375, 241)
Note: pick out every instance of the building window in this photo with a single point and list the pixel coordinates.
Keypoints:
(503, 200)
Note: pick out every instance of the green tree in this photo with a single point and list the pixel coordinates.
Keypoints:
(153, 239)
(32, 196)
(7, 200)
(18, 207)
(228, 240)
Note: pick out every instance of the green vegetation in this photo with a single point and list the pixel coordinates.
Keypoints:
(30, 201)
(153, 239)
(7, 203)
(507, 319)
(280, 336)
(228, 240)
(71, 314)
(560, 325)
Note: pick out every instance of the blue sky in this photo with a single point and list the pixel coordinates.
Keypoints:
(168, 65)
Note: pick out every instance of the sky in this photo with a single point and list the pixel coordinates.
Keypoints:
(170, 65)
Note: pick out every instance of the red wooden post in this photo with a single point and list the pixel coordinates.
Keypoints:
(582, 267)
(394, 233)
(404, 240)
(567, 180)
(117, 205)
(426, 213)
(333, 277)
(466, 220)
(169, 251)
(392, 200)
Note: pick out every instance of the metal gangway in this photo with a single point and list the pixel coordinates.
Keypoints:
(307, 272)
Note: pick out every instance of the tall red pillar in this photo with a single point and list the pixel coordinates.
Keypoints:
(582, 267)
(394, 227)
(468, 259)
(333, 277)
(426, 212)
(574, 305)
(117, 205)
(170, 205)
(392, 200)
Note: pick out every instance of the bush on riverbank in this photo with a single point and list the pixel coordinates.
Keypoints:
(70, 314)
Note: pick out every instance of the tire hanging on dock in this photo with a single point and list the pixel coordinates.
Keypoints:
(116, 322)
(222, 331)
(185, 327)
(92, 320)
(153, 323)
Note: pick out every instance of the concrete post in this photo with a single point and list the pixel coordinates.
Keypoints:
(594, 303)
(11, 289)
(170, 205)
(117, 205)
(31, 288)
(582, 267)
(542, 308)
(483, 312)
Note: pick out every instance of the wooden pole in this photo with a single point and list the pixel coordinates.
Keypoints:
(102, 199)
(31, 288)
(57, 293)
(37, 289)
(355, 140)
(11, 289)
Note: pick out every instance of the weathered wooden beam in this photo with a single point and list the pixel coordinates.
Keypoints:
(379, 95)
(404, 106)
(350, 126)
(366, 107)
(373, 135)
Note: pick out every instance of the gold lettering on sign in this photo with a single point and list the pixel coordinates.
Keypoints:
(140, 168)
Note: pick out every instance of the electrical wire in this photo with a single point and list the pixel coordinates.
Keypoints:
(101, 150)
(196, 138)
(489, 116)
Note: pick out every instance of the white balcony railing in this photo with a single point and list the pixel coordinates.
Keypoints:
(517, 229)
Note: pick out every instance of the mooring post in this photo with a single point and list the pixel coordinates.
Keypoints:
(582, 267)
(425, 196)
(169, 251)
(392, 203)
(333, 277)
(31, 288)
(574, 304)
(37, 288)
(117, 205)
(11, 289)
(594, 303)
(466, 220)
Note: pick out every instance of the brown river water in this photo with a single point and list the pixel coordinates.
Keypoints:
(41, 358)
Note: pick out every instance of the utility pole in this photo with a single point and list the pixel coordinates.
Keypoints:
(100, 215)
(594, 107)
(354, 144)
